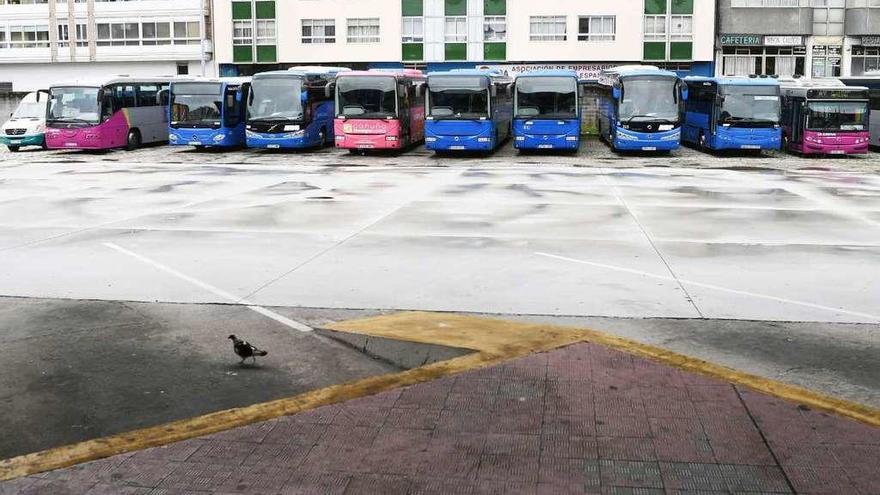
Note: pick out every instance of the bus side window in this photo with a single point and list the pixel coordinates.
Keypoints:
(232, 112)
(147, 95)
(108, 102)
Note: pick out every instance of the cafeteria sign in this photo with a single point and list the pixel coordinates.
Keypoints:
(584, 71)
(740, 40)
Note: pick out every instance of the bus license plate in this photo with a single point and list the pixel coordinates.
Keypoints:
(545, 146)
(195, 143)
(273, 146)
(838, 152)
(750, 147)
(456, 147)
(365, 145)
(649, 148)
(15, 141)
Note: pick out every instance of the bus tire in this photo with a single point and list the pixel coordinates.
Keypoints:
(44, 146)
(133, 141)
(702, 140)
(322, 139)
(13, 149)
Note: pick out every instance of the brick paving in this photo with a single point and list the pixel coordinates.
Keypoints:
(583, 419)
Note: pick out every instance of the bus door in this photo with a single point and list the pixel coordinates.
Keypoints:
(233, 108)
(798, 119)
(404, 112)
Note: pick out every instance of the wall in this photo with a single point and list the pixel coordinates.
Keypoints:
(31, 77)
(763, 20)
(863, 21)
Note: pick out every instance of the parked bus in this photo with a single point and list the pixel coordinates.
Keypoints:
(640, 108)
(741, 113)
(292, 109)
(467, 110)
(121, 112)
(546, 110)
(870, 80)
(379, 109)
(208, 112)
(27, 124)
(824, 116)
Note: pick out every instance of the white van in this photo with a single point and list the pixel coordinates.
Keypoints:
(27, 124)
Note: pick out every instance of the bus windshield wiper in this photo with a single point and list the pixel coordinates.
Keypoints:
(278, 117)
(652, 117)
(72, 120)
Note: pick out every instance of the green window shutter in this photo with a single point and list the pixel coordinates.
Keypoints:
(412, 8)
(681, 50)
(495, 7)
(655, 50)
(266, 53)
(413, 51)
(456, 7)
(456, 51)
(682, 6)
(655, 6)
(242, 53)
(241, 10)
(266, 10)
(495, 51)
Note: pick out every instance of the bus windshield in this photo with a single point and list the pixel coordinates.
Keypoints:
(649, 99)
(837, 115)
(276, 98)
(546, 97)
(458, 97)
(196, 104)
(749, 104)
(77, 105)
(30, 110)
(369, 97)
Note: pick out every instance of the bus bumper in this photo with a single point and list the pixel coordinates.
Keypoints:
(29, 140)
(203, 137)
(747, 139)
(88, 138)
(282, 140)
(546, 142)
(625, 140)
(367, 142)
(459, 143)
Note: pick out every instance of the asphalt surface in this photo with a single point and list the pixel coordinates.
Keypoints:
(765, 263)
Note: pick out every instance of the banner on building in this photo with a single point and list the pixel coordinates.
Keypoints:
(783, 40)
(870, 40)
(585, 71)
(740, 40)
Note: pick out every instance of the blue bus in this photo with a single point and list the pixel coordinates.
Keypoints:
(207, 112)
(292, 109)
(640, 108)
(546, 110)
(741, 113)
(467, 109)
(870, 80)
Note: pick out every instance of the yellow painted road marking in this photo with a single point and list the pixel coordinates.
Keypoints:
(493, 340)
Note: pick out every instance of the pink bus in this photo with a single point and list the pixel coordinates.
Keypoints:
(824, 117)
(379, 109)
(117, 113)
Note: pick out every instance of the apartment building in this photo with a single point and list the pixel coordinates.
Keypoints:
(45, 41)
(513, 35)
(807, 38)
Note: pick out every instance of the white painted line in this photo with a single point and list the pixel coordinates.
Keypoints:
(713, 287)
(210, 288)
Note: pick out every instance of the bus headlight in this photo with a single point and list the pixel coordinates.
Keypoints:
(674, 135)
(219, 137)
(172, 137)
(297, 134)
(626, 136)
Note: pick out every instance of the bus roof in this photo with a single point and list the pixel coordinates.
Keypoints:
(495, 75)
(318, 69)
(869, 80)
(101, 82)
(735, 81)
(227, 80)
(548, 73)
(607, 76)
(398, 73)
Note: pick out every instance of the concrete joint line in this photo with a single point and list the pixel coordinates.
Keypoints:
(210, 288)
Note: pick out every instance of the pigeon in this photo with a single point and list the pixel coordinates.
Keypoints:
(245, 350)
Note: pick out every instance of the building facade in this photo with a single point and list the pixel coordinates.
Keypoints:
(256, 35)
(47, 41)
(806, 38)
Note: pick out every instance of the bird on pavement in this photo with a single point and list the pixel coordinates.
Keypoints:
(245, 350)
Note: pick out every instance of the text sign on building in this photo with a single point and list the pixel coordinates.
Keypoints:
(870, 40)
(740, 40)
(783, 40)
(585, 71)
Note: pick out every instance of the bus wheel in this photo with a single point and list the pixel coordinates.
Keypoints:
(702, 141)
(13, 148)
(322, 139)
(134, 140)
(44, 146)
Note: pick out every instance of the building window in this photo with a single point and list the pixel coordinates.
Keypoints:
(783, 61)
(3, 43)
(495, 28)
(363, 30)
(865, 59)
(119, 34)
(187, 33)
(318, 31)
(265, 32)
(456, 29)
(655, 28)
(413, 30)
(242, 33)
(597, 28)
(182, 68)
(156, 33)
(547, 28)
(681, 28)
(31, 36)
(768, 3)
(826, 60)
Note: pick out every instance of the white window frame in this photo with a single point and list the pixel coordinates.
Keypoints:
(265, 31)
(495, 28)
(242, 33)
(683, 34)
(408, 29)
(363, 30)
(24, 28)
(653, 22)
(459, 29)
(317, 39)
(548, 21)
(589, 35)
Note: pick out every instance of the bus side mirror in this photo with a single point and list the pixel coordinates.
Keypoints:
(304, 97)
(328, 91)
(684, 93)
(100, 96)
(238, 96)
(615, 93)
(493, 91)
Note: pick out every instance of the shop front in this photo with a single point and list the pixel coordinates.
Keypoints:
(865, 55)
(754, 54)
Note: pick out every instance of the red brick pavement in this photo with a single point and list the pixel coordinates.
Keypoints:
(583, 419)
